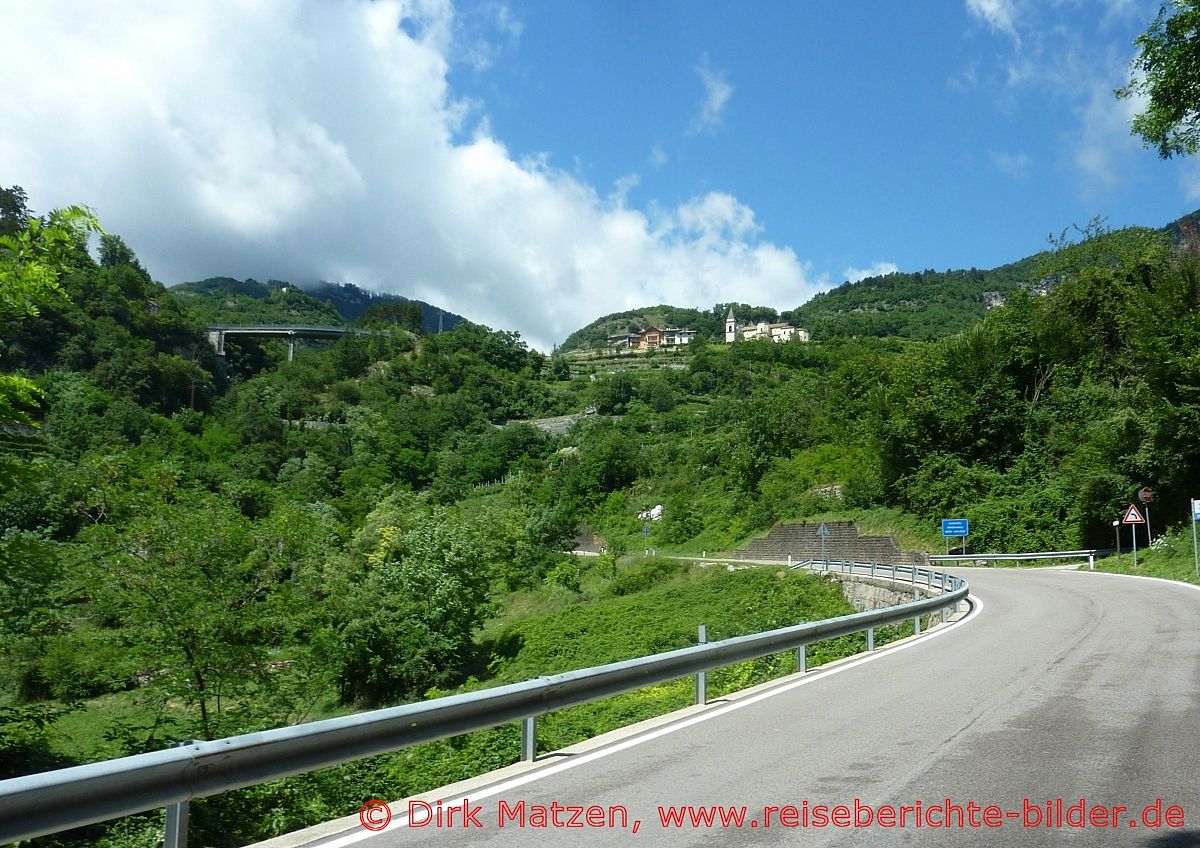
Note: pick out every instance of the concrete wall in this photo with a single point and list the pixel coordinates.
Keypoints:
(866, 593)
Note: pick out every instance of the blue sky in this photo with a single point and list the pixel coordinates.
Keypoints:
(918, 133)
(533, 165)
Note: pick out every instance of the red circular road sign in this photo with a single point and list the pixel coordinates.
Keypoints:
(1144, 494)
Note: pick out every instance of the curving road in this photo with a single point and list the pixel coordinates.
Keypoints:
(1061, 685)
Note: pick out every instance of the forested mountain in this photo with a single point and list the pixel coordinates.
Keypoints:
(193, 546)
(224, 300)
(353, 303)
(920, 305)
(923, 305)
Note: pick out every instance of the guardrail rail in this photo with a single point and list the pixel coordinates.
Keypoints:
(49, 802)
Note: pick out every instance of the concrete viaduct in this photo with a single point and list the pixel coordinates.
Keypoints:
(218, 333)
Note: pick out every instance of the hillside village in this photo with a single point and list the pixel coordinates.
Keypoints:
(653, 338)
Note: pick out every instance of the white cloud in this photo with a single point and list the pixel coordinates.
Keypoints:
(658, 156)
(966, 78)
(484, 33)
(1000, 15)
(1189, 178)
(1104, 142)
(622, 187)
(321, 140)
(876, 269)
(1017, 165)
(717, 92)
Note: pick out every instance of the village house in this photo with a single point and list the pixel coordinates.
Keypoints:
(653, 338)
(777, 332)
(673, 336)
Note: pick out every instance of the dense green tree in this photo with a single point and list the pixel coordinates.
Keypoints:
(14, 210)
(181, 576)
(410, 621)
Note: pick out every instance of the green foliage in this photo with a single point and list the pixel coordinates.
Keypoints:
(34, 253)
(222, 300)
(1167, 72)
(651, 612)
(25, 746)
(409, 623)
(922, 305)
(198, 547)
(406, 315)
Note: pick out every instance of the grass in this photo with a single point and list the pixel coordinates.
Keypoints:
(913, 533)
(1170, 557)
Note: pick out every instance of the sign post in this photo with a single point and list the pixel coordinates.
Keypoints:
(1133, 518)
(822, 533)
(1117, 533)
(1145, 496)
(956, 527)
(1195, 518)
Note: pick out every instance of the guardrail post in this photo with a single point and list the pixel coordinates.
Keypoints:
(529, 739)
(802, 659)
(176, 832)
(702, 676)
(175, 835)
(916, 618)
(870, 639)
(872, 569)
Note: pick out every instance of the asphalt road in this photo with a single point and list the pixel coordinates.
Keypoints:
(1063, 685)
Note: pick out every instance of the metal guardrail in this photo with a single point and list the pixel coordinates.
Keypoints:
(53, 801)
(1088, 554)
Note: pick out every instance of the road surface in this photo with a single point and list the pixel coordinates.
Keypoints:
(1063, 685)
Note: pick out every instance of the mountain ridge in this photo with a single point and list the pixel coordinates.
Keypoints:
(226, 300)
(924, 304)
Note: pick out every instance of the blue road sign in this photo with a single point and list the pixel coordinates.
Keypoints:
(1195, 509)
(956, 527)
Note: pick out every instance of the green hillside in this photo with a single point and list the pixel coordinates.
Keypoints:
(919, 305)
(353, 302)
(922, 305)
(224, 300)
(710, 324)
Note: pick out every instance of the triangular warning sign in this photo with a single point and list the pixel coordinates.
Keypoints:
(1132, 516)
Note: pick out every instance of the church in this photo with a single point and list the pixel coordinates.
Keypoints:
(780, 332)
